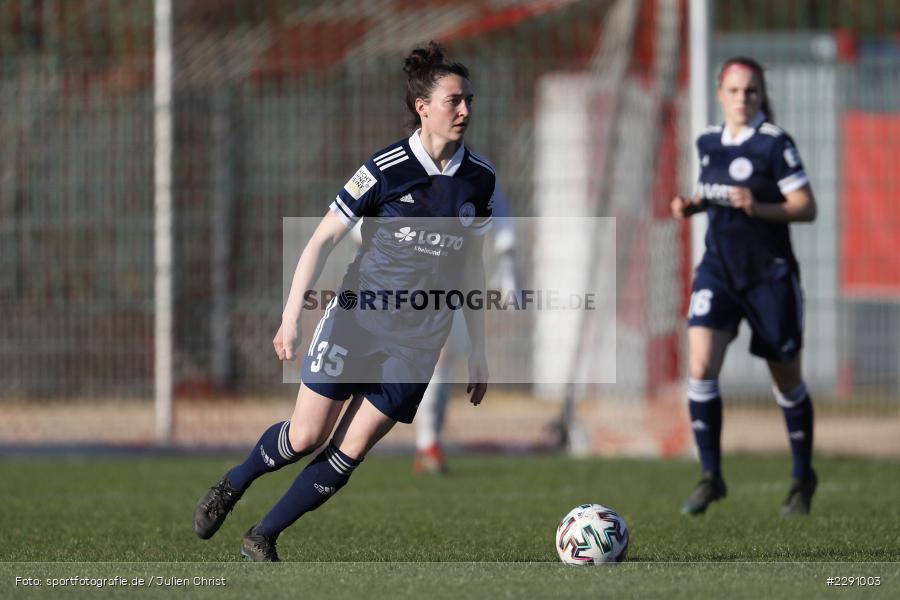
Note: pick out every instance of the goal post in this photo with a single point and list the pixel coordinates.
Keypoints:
(700, 24)
(163, 226)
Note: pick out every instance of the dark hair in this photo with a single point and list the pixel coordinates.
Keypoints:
(423, 68)
(757, 68)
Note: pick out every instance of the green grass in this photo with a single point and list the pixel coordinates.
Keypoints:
(486, 530)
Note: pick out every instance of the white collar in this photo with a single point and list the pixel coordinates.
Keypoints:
(745, 133)
(415, 144)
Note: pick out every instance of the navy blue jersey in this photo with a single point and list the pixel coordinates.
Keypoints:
(418, 225)
(763, 158)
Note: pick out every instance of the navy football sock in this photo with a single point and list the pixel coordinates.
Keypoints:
(271, 452)
(318, 482)
(798, 416)
(705, 406)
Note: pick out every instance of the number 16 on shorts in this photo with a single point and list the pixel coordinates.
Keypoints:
(701, 303)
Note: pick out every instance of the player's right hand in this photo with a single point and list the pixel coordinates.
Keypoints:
(681, 207)
(286, 340)
(478, 376)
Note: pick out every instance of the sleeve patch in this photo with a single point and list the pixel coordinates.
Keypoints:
(793, 182)
(360, 183)
(792, 157)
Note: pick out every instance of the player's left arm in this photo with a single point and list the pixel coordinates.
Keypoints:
(799, 206)
(799, 202)
(475, 280)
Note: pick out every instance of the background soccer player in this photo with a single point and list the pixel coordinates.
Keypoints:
(752, 185)
(380, 360)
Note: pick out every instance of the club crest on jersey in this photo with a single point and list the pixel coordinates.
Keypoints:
(467, 214)
(360, 183)
(740, 169)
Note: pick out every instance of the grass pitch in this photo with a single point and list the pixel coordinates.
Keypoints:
(484, 531)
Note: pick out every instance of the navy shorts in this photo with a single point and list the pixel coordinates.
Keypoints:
(773, 308)
(343, 359)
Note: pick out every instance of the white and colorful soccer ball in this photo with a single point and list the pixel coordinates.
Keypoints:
(592, 534)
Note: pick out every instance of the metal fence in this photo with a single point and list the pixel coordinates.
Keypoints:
(276, 103)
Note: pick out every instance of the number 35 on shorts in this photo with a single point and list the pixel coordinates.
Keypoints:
(701, 303)
(332, 360)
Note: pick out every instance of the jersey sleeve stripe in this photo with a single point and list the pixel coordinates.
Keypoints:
(480, 163)
(769, 129)
(345, 209)
(793, 182)
(346, 220)
(390, 154)
(386, 166)
(482, 227)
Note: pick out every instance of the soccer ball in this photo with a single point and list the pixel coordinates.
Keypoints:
(592, 534)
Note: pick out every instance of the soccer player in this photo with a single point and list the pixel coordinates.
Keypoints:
(429, 458)
(380, 359)
(752, 185)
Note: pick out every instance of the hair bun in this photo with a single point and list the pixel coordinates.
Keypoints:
(423, 58)
(424, 66)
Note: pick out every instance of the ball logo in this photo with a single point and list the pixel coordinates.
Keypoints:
(347, 300)
(467, 214)
(740, 169)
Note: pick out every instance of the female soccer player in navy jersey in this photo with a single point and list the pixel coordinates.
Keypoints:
(752, 186)
(427, 202)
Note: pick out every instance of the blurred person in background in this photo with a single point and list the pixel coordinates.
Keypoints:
(752, 185)
(430, 458)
